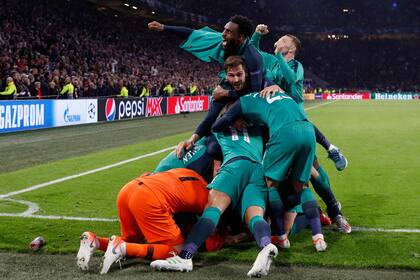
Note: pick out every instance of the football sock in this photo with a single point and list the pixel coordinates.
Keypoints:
(321, 139)
(103, 243)
(200, 232)
(276, 211)
(261, 231)
(310, 209)
(322, 187)
(300, 223)
(148, 251)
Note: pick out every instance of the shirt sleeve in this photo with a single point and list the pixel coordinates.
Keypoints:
(65, 89)
(255, 64)
(255, 40)
(204, 128)
(9, 90)
(234, 112)
(181, 30)
(289, 74)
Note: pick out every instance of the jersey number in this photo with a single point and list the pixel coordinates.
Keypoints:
(235, 136)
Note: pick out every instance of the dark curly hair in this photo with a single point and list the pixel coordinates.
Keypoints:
(245, 26)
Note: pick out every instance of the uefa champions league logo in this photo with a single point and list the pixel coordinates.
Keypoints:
(91, 111)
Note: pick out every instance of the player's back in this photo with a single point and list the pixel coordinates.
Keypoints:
(246, 142)
(180, 189)
(188, 158)
(275, 111)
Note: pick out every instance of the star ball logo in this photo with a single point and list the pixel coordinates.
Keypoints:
(91, 111)
(110, 109)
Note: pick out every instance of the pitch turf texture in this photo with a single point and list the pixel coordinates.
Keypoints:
(379, 189)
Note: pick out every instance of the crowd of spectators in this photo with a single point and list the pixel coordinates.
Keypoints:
(45, 42)
(42, 42)
(356, 16)
(360, 63)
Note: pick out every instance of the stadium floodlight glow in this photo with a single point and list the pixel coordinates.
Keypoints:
(345, 10)
(134, 7)
(153, 12)
(126, 4)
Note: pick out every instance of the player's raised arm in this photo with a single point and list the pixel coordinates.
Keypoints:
(260, 30)
(291, 75)
(181, 30)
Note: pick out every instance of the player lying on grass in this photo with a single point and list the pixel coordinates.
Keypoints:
(291, 146)
(145, 208)
(287, 73)
(238, 183)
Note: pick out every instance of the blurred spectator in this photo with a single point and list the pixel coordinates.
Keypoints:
(67, 91)
(10, 90)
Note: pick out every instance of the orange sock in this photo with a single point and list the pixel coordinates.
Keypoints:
(148, 251)
(103, 243)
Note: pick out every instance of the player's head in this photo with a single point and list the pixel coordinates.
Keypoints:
(236, 72)
(288, 44)
(236, 31)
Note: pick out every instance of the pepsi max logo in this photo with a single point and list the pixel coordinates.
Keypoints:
(110, 109)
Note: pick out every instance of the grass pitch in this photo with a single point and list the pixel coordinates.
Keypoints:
(378, 190)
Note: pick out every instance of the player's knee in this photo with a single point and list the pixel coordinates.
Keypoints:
(218, 200)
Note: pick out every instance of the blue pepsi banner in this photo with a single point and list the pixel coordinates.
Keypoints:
(114, 109)
(17, 115)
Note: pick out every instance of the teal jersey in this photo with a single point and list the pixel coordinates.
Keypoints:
(205, 44)
(189, 157)
(246, 143)
(289, 76)
(275, 111)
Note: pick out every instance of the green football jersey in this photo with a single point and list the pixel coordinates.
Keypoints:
(289, 76)
(172, 161)
(275, 111)
(235, 143)
(205, 44)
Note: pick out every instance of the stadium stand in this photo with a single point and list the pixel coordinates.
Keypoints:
(46, 41)
(42, 42)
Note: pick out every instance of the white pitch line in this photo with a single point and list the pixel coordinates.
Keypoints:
(53, 217)
(32, 207)
(320, 105)
(399, 230)
(35, 187)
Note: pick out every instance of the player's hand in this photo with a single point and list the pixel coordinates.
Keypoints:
(155, 26)
(219, 93)
(186, 145)
(269, 90)
(180, 148)
(262, 29)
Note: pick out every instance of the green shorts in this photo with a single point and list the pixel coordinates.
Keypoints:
(292, 148)
(243, 181)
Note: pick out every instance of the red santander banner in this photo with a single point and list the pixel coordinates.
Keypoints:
(180, 104)
(346, 96)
